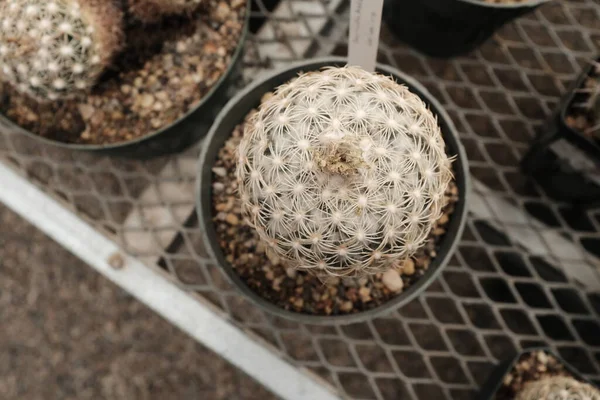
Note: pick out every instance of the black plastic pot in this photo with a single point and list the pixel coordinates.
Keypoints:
(249, 98)
(564, 161)
(177, 136)
(447, 28)
(494, 382)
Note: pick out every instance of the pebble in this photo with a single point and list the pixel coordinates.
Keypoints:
(117, 115)
(225, 206)
(158, 106)
(365, 294)
(218, 187)
(220, 171)
(222, 12)
(156, 123)
(392, 280)
(274, 258)
(270, 275)
(332, 281)
(31, 116)
(162, 95)
(439, 231)
(443, 219)
(147, 101)
(181, 47)
(349, 282)
(409, 267)
(346, 306)
(277, 283)
(291, 273)
(86, 111)
(542, 357)
(232, 219)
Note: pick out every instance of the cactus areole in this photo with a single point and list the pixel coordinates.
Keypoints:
(343, 172)
(558, 388)
(56, 49)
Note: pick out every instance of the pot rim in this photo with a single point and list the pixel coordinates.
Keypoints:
(529, 3)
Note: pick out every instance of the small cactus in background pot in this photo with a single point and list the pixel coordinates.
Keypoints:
(558, 388)
(56, 49)
(343, 172)
(150, 11)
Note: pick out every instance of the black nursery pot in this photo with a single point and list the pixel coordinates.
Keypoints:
(494, 381)
(250, 98)
(563, 160)
(173, 138)
(447, 28)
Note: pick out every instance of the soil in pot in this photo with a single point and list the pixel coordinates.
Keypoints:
(299, 291)
(529, 368)
(164, 73)
(583, 114)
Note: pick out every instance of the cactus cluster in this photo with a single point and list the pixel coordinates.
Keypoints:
(558, 388)
(343, 172)
(58, 49)
(150, 11)
(55, 49)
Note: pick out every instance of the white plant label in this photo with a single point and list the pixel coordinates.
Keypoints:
(365, 25)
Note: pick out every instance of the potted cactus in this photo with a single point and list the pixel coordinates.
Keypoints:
(565, 157)
(537, 374)
(135, 77)
(448, 28)
(341, 197)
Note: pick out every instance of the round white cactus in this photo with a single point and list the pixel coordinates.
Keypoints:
(343, 172)
(149, 11)
(55, 49)
(558, 388)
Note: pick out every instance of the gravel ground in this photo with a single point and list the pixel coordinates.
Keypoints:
(68, 333)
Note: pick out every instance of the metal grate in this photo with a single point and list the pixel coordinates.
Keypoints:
(527, 270)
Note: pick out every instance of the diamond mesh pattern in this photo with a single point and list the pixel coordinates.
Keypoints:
(526, 271)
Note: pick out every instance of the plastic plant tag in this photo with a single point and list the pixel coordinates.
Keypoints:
(365, 25)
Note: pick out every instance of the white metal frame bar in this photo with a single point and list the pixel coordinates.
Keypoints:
(151, 288)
